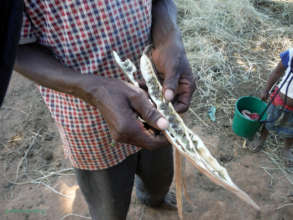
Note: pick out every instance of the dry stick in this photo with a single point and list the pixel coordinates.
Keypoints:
(15, 109)
(55, 173)
(142, 213)
(73, 214)
(37, 181)
(178, 181)
(58, 173)
(24, 158)
(244, 144)
(285, 205)
(268, 173)
(53, 190)
(185, 188)
(278, 165)
(196, 115)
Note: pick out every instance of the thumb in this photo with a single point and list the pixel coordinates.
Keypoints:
(143, 106)
(170, 83)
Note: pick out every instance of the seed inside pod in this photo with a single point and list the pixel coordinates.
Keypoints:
(171, 119)
(152, 81)
(129, 69)
(179, 132)
(174, 126)
(221, 175)
(195, 143)
(182, 148)
(155, 90)
(126, 63)
(188, 147)
(192, 149)
(164, 106)
(157, 95)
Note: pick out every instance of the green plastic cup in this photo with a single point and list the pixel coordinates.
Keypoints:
(243, 126)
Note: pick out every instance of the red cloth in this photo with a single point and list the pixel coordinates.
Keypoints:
(278, 101)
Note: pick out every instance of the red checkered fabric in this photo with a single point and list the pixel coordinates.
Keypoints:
(82, 35)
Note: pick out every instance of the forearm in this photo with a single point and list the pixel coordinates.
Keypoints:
(38, 64)
(118, 102)
(276, 74)
(164, 25)
(169, 56)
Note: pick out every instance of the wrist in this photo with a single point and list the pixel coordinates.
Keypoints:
(87, 88)
(173, 37)
(164, 25)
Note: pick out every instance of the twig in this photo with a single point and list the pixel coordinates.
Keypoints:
(267, 172)
(142, 213)
(77, 215)
(15, 109)
(285, 205)
(178, 181)
(196, 115)
(278, 165)
(244, 144)
(33, 181)
(54, 190)
(55, 173)
(24, 158)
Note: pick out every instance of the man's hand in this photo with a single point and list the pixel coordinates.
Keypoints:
(169, 55)
(172, 65)
(120, 104)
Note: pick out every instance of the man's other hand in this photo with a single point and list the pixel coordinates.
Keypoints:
(172, 65)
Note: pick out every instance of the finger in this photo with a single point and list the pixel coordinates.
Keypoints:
(142, 85)
(148, 141)
(137, 135)
(171, 80)
(170, 84)
(184, 95)
(181, 107)
(142, 105)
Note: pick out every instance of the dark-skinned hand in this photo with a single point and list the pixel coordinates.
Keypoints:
(173, 67)
(120, 104)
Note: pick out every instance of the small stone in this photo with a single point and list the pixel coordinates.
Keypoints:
(49, 137)
(58, 164)
(47, 155)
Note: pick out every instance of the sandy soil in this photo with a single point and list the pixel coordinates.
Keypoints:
(30, 149)
(34, 184)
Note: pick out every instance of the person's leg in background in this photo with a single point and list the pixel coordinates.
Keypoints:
(108, 192)
(288, 152)
(285, 130)
(154, 177)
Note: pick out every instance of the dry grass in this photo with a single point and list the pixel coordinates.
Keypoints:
(229, 42)
(232, 46)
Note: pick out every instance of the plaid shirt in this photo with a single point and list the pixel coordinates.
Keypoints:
(82, 34)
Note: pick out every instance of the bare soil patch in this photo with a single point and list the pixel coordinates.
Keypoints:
(37, 182)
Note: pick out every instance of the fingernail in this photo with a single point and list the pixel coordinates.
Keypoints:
(169, 94)
(162, 123)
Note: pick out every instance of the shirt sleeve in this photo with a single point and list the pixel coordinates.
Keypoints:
(285, 56)
(27, 34)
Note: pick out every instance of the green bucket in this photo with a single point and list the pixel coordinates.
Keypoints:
(243, 126)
